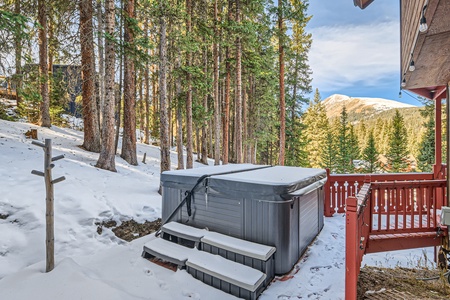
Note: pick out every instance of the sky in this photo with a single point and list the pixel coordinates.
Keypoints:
(356, 52)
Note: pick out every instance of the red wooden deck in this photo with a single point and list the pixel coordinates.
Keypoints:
(386, 215)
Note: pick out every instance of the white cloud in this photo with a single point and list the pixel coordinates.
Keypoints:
(343, 56)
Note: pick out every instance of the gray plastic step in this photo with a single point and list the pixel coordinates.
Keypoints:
(231, 277)
(166, 251)
(254, 255)
(217, 271)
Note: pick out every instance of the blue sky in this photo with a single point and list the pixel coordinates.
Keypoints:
(356, 52)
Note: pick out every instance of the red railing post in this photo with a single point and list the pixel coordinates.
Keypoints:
(351, 249)
(328, 211)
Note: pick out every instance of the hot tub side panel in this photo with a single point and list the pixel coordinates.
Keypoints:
(171, 197)
(214, 212)
(321, 195)
(272, 223)
(309, 219)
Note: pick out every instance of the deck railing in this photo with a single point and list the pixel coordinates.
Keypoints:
(383, 213)
(405, 206)
(341, 186)
(356, 237)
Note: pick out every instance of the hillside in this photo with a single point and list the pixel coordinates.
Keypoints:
(375, 114)
(360, 108)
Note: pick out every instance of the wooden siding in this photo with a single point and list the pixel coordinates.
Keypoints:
(431, 50)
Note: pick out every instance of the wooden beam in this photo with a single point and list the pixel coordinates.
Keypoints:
(438, 134)
(393, 242)
(362, 3)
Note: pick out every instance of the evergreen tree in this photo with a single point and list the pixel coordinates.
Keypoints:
(328, 156)
(370, 155)
(353, 147)
(316, 122)
(397, 154)
(344, 159)
(427, 145)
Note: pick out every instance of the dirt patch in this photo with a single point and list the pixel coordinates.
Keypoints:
(375, 282)
(130, 230)
(3, 217)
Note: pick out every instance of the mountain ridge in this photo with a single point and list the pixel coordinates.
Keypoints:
(360, 107)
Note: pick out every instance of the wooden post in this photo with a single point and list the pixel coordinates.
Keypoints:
(49, 216)
(328, 211)
(49, 200)
(447, 108)
(351, 253)
(437, 139)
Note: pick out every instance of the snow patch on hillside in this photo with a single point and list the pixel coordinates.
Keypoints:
(378, 104)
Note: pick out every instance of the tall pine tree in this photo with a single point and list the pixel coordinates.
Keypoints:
(344, 160)
(370, 155)
(426, 155)
(397, 154)
(316, 122)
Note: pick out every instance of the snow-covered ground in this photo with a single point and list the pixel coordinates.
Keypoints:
(93, 266)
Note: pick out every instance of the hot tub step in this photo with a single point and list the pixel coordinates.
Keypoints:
(219, 272)
(228, 276)
(254, 255)
(182, 234)
(166, 251)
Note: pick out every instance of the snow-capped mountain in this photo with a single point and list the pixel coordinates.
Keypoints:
(361, 106)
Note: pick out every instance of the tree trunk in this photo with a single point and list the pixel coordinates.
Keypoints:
(101, 61)
(238, 108)
(204, 147)
(18, 57)
(155, 102)
(90, 117)
(180, 154)
(140, 87)
(129, 91)
(118, 96)
(216, 89)
(282, 99)
(189, 152)
(106, 159)
(244, 125)
(44, 116)
(164, 108)
(226, 112)
(147, 93)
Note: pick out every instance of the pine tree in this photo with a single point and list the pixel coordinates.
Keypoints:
(328, 156)
(353, 148)
(106, 159)
(344, 160)
(397, 152)
(370, 155)
(90, 114)
(427, 145)
(316, 122)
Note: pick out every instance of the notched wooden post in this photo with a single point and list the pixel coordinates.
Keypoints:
(49, 212)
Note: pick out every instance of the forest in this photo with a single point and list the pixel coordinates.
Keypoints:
(227, 80)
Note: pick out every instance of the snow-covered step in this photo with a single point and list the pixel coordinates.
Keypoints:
(175, 231)
(228, 276)
(251, 254)
(257, 256)
(215, 270)
(166, 251)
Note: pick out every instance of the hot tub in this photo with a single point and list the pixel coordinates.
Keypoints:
(276, 206)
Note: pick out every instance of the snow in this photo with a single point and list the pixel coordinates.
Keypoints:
(258, 251)
(93, 266)
(229, 271)
(378, 104)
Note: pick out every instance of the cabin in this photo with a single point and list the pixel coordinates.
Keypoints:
(402, 211)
